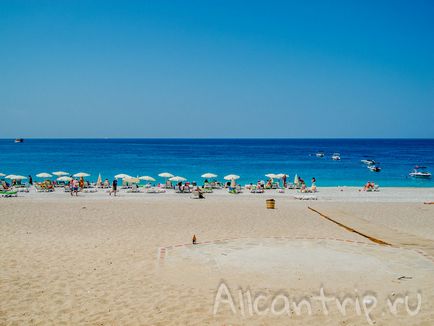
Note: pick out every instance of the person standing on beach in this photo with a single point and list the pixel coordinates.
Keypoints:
(73, 186)
(30, 180)
(81, 183)
(114, 187)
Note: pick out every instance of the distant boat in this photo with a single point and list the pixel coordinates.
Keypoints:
(368, 162)
(19, 140)
(336, 156)
(374, 168)
(420, 172)
(319, 154)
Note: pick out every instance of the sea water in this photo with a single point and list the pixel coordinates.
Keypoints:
(251, 159)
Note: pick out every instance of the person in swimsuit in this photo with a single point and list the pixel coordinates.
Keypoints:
(114, 187)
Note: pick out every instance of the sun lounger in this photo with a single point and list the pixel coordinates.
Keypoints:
(134, 189)
(20, 189)
(154, 190)
(196, 195)
(234, 190)
(90, 190)
(8, 193)
(306, 197)
(255, 190)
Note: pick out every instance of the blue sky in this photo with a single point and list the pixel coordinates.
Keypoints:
(216, 69)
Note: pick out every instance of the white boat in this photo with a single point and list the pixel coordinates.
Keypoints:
(374, 168)
(420, 172)
(368, 162)
(19, 140)
(336, 156)
(319, 154)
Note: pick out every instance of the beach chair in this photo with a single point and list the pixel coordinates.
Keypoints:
(20, 189)
(256, 190)
(8, 193)
(38, 187)
(90, 190)
(306, 197)
(154, 190)
(195, 194)
(235, 190)
(134, 189)
(207, 190)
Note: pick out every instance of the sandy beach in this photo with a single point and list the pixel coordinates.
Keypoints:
(100, 260)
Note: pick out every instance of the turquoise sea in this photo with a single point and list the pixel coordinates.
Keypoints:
(249, 158)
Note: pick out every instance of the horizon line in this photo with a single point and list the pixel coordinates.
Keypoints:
(222, 138)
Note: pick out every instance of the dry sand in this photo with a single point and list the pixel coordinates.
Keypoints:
(128, 260)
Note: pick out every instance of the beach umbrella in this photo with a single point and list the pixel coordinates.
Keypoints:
(231, 177)
(177, 179)
(272, 176)
(60, 173)
(44, 175)
(122, 176)
(64, 179)
(146, 178)
(2, 175)
(209, 175)
(15, 177)
(296, 179)
(131, 180)
(99, 180)
(166, 175)
(81, 175)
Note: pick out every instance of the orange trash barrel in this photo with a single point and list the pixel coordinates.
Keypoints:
(270, 203)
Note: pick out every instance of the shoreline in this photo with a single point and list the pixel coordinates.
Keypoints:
(329, 194)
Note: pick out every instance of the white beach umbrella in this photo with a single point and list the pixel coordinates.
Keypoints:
(177, 179)
(146, 178)
(131, 180)
(231, 177)
(296, 179)
(64, 179)
(60, 173)
(81, 175)
(166, 175)
(272, 176)
(281, 175)
(2, 175)
(44, 175)
(122, 176)
(209, 175)
(15, 177)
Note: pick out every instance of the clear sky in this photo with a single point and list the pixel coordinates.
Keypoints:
(216, 68)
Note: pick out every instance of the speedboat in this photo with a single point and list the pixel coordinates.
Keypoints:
(368, 162)
(374, 168)
(336, 156)
(320, 154)
(19, 140)
(420, 172)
